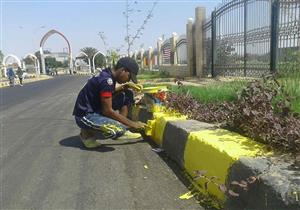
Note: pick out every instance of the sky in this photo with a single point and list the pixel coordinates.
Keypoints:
(25, 22)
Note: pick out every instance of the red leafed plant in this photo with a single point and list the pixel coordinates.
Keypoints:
(257, 113)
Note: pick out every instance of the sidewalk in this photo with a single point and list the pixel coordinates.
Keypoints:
(4, 82)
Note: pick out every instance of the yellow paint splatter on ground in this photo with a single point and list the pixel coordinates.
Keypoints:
(187, 195)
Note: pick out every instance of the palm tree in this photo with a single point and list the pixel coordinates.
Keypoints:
(113, 56)
(90, 51)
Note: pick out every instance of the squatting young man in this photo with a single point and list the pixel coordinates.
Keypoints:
(101, 108)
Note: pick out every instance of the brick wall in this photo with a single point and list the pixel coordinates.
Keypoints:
(176, 71)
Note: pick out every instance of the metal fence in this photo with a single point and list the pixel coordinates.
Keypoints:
(251, 37)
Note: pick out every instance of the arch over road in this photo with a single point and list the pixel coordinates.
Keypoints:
(89, 60)
(42, 42)
(97, 53)
(36, 62)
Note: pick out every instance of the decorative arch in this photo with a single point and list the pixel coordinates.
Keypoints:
(83, 53)
(11, 56)
(97, 53)
(5, 60)
(42, 42)
(36, 62)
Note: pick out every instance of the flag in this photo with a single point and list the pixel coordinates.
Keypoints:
(166, 54)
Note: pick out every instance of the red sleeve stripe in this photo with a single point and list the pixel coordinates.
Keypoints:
(105, 94)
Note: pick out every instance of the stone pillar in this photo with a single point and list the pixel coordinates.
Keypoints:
(23, 66)
(72, 64)
(190, 47)
(150, 58)
(135, 54)
(199, 38)
(142, 59)
(173, 48)
(159, 56)
(43, 61)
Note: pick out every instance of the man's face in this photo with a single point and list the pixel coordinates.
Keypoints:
(124, 76)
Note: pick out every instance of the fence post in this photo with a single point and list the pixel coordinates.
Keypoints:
(274, 35)
(213, 42)
(190, 47)
(173, 49)
(200, 17)
(245, 37)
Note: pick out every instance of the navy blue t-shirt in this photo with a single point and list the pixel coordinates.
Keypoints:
(89, 98)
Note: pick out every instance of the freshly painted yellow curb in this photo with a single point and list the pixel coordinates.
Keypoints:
(160, 121)
(214, 151)
(155, 128)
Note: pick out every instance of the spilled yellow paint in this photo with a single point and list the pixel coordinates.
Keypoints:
(187, 195)
(214, 151)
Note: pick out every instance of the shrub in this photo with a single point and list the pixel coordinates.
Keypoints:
(257, 113)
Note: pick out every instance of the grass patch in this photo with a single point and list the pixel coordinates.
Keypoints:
(291, 85)
(217, 92)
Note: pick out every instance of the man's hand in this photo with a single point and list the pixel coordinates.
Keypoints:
(138, 125)
(129, 85)
(135, 87)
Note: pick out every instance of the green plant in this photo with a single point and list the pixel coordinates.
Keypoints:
(152, 75)
(258, 113)
(291, 84)
(216, 92)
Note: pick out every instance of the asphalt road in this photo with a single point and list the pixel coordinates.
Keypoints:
(45, 166)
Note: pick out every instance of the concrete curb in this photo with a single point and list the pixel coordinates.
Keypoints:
(28, 79)
(83, 74)
(220, 155)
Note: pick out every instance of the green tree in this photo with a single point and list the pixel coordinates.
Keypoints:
(1, 60)
(91, 51)
(28, 60)
(1, 57)
(99, 60)
(112, 56)
(51, 62)
(38, 55)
